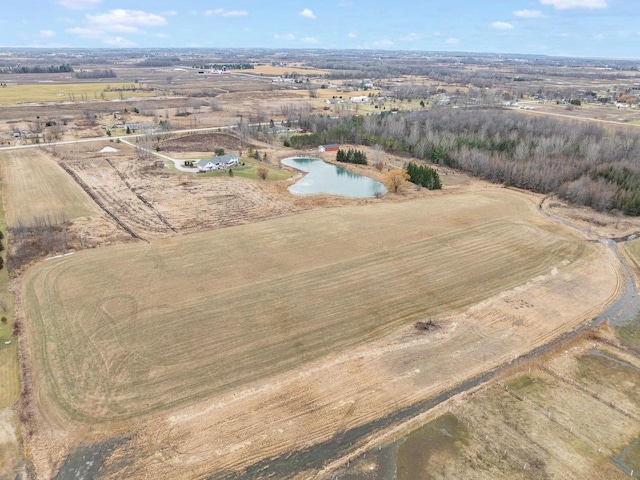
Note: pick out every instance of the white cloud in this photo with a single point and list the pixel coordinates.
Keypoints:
(310, 40)
(502, 26)
(568, 4)
(528, 13)
(124, 20)
(118, 42)
(452, 41)
(83, 32)
(307, 13)
(221, 12)
(412, 37)
(119, 21)
(47, 33)
(383, 43)
(79, 4)
(286, 36)
(351, 35)
(235, 13)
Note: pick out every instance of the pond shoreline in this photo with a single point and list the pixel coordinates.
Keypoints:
(322, 177)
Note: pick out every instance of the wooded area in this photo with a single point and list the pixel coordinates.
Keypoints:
(582, 162)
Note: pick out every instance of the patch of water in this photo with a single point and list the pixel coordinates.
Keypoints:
(323, 177)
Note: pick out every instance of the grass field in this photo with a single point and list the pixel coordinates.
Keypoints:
(250, 170)
(48, 92)
(139, 328)
(35, 186)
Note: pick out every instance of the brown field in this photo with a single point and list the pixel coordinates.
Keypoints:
(325, 253)
(287, 340)
(154, 201)
(313, 294)
(271, 70)
(564, 418)
(35, 186)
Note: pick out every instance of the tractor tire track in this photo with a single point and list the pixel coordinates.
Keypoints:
(93, 197)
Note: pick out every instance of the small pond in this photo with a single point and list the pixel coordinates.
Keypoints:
(326, 178)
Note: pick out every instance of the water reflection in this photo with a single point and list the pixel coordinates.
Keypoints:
(326, 178)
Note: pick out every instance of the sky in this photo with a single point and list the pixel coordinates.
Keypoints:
(584, 28)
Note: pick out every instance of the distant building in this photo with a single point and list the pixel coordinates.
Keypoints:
(360, 99)
(333, 147)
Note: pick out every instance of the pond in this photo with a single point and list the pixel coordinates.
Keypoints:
(326, 178)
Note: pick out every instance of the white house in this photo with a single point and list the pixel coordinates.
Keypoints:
(360, 99)
(218, 163)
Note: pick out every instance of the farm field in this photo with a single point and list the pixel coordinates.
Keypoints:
(292, 288)
(154, 203)
(207, 326)
(563, 418)
(278, 306)
(35, 186)
(64, 92)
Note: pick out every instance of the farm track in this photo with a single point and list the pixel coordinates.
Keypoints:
(99, 202)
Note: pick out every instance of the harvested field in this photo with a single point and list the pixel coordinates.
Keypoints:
(202, 142)
(9, 380)
(546, 423)
(48, 92)
(327, 297)
(35, 186)
(153, 204)
(273, 70)
(349, 295)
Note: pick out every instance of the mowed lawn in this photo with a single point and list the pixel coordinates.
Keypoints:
(129, 329)
(36, 186)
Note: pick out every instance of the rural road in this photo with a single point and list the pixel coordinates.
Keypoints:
(128, 137)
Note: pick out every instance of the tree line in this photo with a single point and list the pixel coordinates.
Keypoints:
(583, 163)
(96, 74)
(38, 69)
(351, 156)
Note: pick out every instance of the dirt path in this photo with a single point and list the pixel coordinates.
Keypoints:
(627, 306)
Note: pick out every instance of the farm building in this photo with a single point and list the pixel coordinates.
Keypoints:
(334, 147)
(360, 99)
(218, 163)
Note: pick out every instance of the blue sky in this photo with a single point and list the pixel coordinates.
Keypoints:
(590, 28)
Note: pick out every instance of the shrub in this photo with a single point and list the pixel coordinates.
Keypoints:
(425, 176)
(263, 172)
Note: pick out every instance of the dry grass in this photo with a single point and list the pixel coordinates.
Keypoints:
(49, 92)
(35, 186)
(271, 70)
(10, 445)
(535, 425)
(9, 379)
(288, 290)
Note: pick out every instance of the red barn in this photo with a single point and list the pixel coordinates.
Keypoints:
(334, 147)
